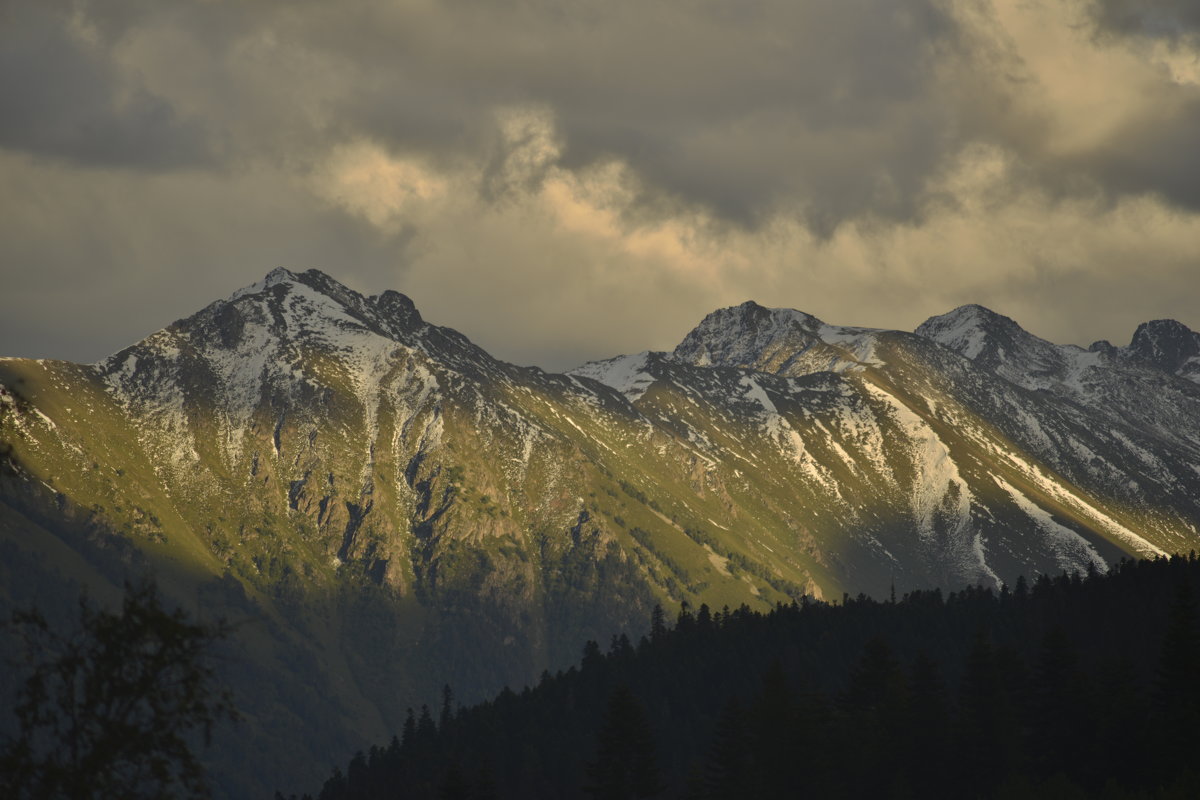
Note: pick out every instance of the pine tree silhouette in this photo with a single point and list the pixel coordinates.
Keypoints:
(728, 768)
(626, 764)
(1177, 684)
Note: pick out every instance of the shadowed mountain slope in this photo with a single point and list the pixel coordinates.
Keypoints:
(390, 508)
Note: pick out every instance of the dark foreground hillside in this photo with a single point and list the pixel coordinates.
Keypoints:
(1076, 686)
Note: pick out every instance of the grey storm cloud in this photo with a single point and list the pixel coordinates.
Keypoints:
(829, 111)
(1168, 19)
(1155, 155)
(606, 171)
(743, 107)
(62, 96)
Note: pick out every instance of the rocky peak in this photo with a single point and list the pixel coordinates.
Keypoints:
(324, 284)
(390, 312)
(275, 277)
(973, 330)
(742, 336)
(1165, 343)
(398, 309)
(287, 305)
(997, 343)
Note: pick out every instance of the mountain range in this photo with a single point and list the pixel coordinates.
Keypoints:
(387, 508)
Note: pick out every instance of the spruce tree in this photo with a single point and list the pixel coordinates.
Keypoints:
(626, 764)
(658, 624)
(729, 767)
(926, 741)
(774, 734)
(874, 706)
(1177, 683)
(988, 729)
(1060, 708)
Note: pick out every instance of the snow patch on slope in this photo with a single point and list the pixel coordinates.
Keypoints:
(241, 372)
(1079, 363)
(273, 278)
(779, 430)
(1061, 493)
(939, 494)
(1074, 553)
(8, 402)
(264, 357)
(963, 330)
(626, 374)
(859, 342)
(148, 388)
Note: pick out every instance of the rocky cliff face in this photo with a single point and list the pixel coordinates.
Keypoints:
(395, 509)
(1168, 345)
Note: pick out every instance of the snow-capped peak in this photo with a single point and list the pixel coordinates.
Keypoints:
(743, 335)
(273, 278)
(316, 295)
(969, 329)
(783, 341)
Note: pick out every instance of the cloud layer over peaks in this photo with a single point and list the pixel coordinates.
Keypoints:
(604, 172)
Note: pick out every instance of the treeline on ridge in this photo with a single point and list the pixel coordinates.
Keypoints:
(1074, 686)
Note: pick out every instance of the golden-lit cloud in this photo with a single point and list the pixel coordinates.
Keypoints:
(362, 178)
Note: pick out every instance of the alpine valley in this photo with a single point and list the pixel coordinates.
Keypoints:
(383, 508)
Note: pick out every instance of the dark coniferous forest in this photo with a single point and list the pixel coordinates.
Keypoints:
(1074, 686)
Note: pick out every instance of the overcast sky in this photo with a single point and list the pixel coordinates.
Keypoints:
(564, 181)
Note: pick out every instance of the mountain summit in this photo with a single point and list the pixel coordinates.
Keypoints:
(1168, 345)
(396, 509)
(777, 340)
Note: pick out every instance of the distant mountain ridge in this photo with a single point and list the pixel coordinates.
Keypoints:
(399, 509)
